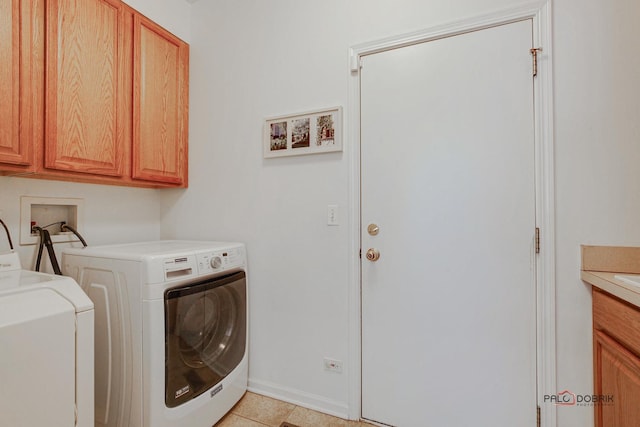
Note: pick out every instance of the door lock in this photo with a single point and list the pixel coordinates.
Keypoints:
(373, 229)
(373, 255)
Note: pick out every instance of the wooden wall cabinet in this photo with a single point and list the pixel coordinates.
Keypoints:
(616, 348)
(15, 85)
(160, 103)
(85, 87)
(110, 101)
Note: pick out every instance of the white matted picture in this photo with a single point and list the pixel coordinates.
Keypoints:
(304, 133)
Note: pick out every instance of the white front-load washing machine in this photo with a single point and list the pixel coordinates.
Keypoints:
(171, 331)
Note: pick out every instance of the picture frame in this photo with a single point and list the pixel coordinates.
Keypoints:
(312, 132)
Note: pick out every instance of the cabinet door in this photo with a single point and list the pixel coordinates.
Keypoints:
(617, 380)
(160, 104)
(14, 18)
(85, 91)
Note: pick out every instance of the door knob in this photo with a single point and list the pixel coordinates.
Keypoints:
(373, 255)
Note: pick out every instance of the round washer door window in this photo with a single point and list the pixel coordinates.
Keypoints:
(206, 327)
(205, 333)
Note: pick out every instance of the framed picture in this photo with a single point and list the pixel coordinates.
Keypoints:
(305, 133)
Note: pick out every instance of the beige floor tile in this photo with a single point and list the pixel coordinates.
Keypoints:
(360, 424)
(232, 420)
(263, 409)
(307, 418)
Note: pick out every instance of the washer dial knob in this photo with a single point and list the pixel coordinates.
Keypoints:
(216, 262)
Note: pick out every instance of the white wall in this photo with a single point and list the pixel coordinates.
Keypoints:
(252, 59)
(111, 214)
(597, 155)
(173, 15)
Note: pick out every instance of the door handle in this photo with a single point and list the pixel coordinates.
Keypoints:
(373, 254)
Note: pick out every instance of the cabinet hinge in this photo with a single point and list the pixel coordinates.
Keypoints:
(538, 421)
(537, 240)
(534, 55)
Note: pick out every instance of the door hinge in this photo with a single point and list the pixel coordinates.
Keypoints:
(356, 63)
(537, 240)
(538, 422)
(534, 55)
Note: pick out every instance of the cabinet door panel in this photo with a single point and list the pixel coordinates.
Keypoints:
(13, 149)
(85, 93)
(160, 105)
(617, 374)
(618, 319)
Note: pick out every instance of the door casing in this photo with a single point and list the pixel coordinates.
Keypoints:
(540, 12)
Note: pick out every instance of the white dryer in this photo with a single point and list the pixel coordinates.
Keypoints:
(46, 349)
(171, 330)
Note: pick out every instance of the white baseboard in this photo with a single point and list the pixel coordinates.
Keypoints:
(300, 398)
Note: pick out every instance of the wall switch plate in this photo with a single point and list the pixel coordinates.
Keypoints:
(332, 215)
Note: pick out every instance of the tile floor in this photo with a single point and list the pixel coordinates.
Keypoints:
(255, 410)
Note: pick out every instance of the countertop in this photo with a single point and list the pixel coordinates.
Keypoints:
(600, 265)
(618, 288)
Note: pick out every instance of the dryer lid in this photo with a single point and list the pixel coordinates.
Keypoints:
(15, 280)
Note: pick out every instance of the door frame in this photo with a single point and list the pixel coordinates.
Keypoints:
(539, 11)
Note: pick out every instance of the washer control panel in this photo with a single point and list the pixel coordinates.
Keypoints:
(211, 262)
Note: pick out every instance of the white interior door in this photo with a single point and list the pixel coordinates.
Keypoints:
(448, 310)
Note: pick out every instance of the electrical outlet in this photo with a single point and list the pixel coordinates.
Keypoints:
(333, 365)
(332, 215)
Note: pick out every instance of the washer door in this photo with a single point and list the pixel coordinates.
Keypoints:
(205, 335)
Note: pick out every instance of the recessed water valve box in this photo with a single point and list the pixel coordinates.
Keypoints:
(50, 213)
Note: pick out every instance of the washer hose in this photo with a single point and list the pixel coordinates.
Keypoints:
(8, 234)
(73, 230)
(45, 240)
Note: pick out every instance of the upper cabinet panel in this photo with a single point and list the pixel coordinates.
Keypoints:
(92, 91)
(14, 19)
(160, 104)
(85, 91)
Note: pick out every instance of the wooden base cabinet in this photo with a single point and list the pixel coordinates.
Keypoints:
(616, 361)
(110, 98)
